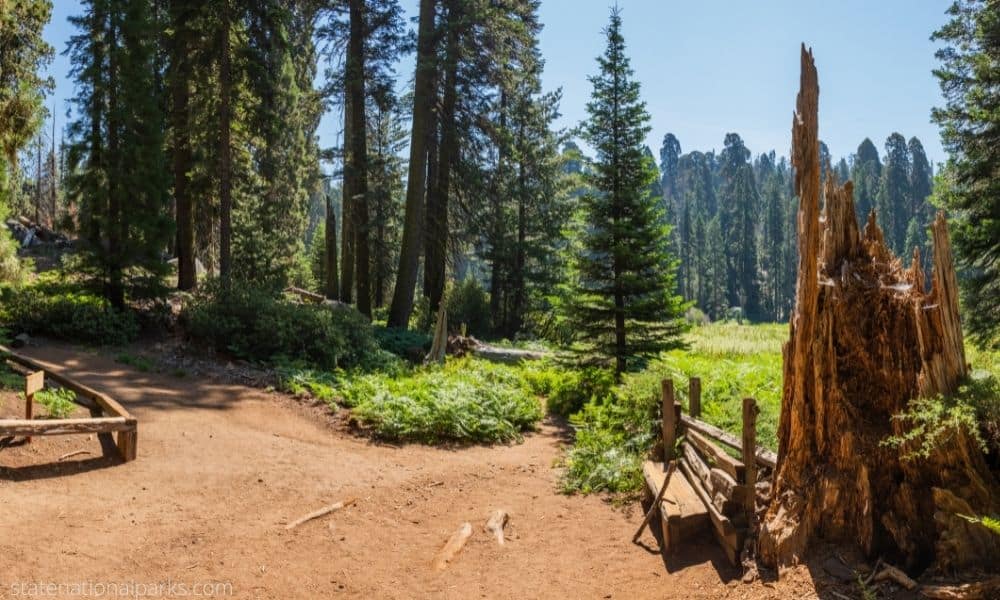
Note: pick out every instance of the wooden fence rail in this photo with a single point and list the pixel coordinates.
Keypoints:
(724, 486)
(115, 420)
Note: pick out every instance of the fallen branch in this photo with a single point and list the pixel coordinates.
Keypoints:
(72, 454)
(452, 547)
(496, 523)
(319, 513)
(892, 573)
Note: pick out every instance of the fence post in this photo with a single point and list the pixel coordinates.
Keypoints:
(694, 397)
(33, 382)
(750, 454)
(669, 419)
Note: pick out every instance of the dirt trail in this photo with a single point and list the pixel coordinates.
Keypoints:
(222, 468)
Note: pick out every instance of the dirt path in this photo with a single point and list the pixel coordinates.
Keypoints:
(222, 468)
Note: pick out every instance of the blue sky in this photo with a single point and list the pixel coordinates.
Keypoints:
(709, 67)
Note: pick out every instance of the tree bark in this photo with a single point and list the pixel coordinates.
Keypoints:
(332, 283)
(356, 165)
(436, 245)
(225, 147)
(180, 116)
(865, 340)
(347, 260)
(423, 93)
(115, 291)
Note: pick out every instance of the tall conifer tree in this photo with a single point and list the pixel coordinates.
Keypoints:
(625, 307)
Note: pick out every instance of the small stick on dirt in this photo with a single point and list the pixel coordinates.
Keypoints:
(891, 572)
(319, 513)
(453, 547)
(839, 595)
(874, 572)
(72, 454)
(496, 523)
(656, 505)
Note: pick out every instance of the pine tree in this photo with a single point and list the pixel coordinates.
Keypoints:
(866, 173)
(624, 307)
(969, 76)
(893, 200)
(739, 201)
(22, 88)
(120, 126)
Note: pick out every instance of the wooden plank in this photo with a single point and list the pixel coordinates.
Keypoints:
(749, 444)
(764, 456)
(697, 465)
(724, 483)
(109, 405)
(694, 397)
(64, 426)
(725, 531)
(716, 456)
(34, 382)
(668, 418)
(681, 509)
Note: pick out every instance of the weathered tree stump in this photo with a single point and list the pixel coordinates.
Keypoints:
(865, 339)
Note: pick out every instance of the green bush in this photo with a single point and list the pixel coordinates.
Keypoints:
(613, 434)
(71, 314)
(577, 388)
(469, 303)
(615, 431)
(255, 325)
(466, 400)
(59, 403)
(401, 342)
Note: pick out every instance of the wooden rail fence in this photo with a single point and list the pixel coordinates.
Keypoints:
(708, 486)
(112, 416)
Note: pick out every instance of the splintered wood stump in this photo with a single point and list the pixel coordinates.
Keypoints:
(867, 338)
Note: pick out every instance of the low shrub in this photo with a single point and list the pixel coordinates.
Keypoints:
(402, 342)
(256, 325)
(72, 314)
(59, 403)
(576, 388)
(615, 431)
(466, 400)
(613, 434)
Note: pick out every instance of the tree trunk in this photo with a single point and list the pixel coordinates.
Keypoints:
(115, 286)
(430, 204)
(332, 283)
(498, 250)
(357, 164)
(347, 213)
(180, 76)
(95, 109)
(436, 246)
(225, 148)
(423, 93)
(865, 340)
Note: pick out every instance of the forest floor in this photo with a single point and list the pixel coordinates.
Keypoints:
(223, 468)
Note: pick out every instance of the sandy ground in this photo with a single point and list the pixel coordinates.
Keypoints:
(222, 468)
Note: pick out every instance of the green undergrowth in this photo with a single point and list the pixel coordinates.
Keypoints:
(466, 400)
(59, 403)
(616, 430)
(64, 308)
(975, 408)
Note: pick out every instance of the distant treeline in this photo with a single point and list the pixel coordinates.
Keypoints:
(733, 216)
